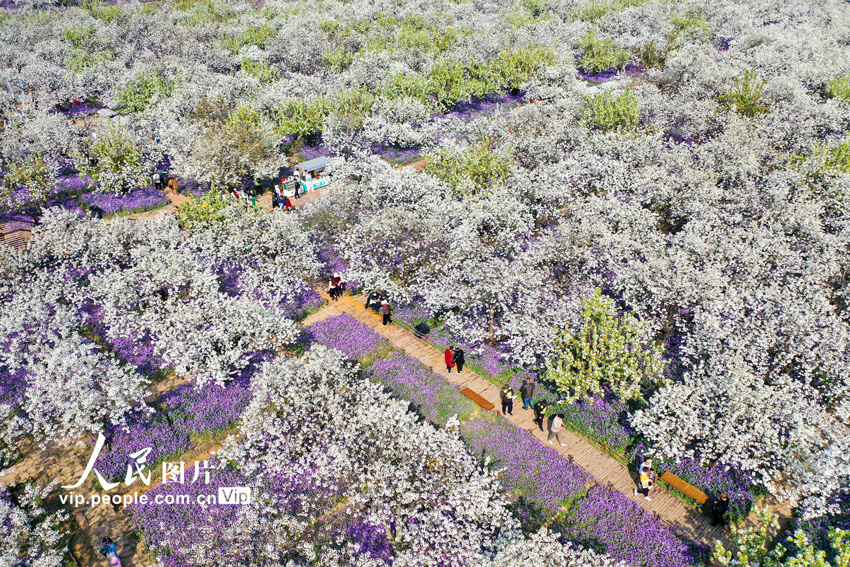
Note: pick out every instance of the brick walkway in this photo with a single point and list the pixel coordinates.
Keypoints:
(604, 469)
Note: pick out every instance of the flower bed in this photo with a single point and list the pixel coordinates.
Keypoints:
(343, 333)
(609, 522)
(137, 200)
(435, 398)
(184, 412)
(141, 431)
(545, 480)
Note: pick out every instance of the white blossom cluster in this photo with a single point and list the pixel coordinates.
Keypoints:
(27, 527)
(317, 418)
(152, 285)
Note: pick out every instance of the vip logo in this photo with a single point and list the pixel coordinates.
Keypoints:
(234, 495)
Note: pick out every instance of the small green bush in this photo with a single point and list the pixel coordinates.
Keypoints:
(836, 158)
(203, 211)
(592, 11)
(692, 25)
(473, 171)
(254, 35)
(607, 111)
(137, 94)
(337, 60)
(601, 54)
(102, 11)
(651, 54)
(76, 35)
(744, 96)
(839, 89)
(79, 60)
(260, 70)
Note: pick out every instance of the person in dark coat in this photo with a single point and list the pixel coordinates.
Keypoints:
(540, 413)
(718, 507)
(459, 359)
(378, 302)
(387, 312)
(527, 391)
(373, 299)
(507, 395)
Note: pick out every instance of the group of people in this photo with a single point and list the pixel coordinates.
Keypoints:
(335, 286)
(454, 358)
(555, 424)
(288, 189)
(160, 182)
(378, 302)
(646, 479)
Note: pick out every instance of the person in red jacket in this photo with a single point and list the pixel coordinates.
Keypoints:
(450, 358)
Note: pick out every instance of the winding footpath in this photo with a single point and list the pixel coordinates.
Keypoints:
(669, 509)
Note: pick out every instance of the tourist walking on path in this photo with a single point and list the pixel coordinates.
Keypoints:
(540, 413)
(527, 391)
(333, 285)
(718, 507)
(109, 550)
(387, 312)
(645, 484)
(157, 181)
(555, 428)
(460, 360)
(450, 358)
(507, 395)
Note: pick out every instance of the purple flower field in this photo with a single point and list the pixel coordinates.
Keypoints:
(435, 398)
(141, 431)
(177, 530)
(527, 468)
(607, 521)
(136, 200)
(344, 333)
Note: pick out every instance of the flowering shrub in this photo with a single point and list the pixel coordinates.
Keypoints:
(29, 534)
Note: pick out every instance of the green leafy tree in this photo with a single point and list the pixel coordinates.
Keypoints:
(753, 545)
(143, 91)
(204, 211)
(470, 172)
(608, 111)
(608, 351)
(33, 173)
(115, 162)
